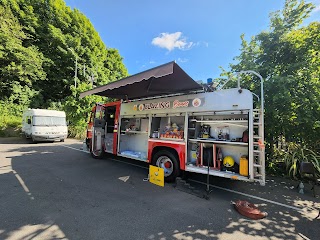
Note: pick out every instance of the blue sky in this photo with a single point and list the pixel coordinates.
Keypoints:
(200, 35)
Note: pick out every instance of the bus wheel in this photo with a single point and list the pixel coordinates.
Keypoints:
(168, 161)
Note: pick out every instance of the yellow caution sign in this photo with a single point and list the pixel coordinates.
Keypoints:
(156, 175)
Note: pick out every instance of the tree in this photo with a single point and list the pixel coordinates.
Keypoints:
(40, 42)
(287, 56)
(63, 36)
(20, 66)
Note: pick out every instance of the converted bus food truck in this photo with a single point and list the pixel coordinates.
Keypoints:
(163, 117)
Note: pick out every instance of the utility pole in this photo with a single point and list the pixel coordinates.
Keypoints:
(75, 73)
(75, 67)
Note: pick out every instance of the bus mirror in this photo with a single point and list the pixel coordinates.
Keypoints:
(29, 121)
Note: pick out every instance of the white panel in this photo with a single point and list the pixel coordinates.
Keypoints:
(229, 99)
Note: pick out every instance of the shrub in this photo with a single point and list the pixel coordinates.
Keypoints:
(10, 119)
(297, 153)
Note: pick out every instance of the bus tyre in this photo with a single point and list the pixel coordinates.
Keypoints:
(169, 162)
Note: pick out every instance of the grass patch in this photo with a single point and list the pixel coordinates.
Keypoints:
(10, 119)
(78, 132)
(10, 132)
(10, 126)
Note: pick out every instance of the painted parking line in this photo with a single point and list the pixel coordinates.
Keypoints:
(214, 186)
(23, 185)
(80, 150)
(251, 196)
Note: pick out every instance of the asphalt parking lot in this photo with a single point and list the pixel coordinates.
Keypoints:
(57, 191)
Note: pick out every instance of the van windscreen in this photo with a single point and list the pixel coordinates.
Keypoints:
(49, 121)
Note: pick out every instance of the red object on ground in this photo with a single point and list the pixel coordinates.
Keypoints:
(249, 210)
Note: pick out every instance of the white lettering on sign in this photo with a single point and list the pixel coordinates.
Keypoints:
(177, 104)
(196, 102)
(150, 106)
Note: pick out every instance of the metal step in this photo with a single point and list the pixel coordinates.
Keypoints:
(257, 148)
(258, 151)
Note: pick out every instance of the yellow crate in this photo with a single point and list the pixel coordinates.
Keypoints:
(244, 166)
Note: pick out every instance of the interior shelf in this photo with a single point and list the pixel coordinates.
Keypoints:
(131, 131)
(172, 139)
(227, 174)
(218, 142)
(236, 123)
(219, 121)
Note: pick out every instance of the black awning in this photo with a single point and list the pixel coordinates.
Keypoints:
(165, 79)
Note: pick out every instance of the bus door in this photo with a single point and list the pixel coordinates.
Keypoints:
(111, 117)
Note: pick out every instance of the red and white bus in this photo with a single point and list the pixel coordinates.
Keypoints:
(165, 118)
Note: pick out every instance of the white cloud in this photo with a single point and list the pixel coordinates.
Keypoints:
(202, 43)
(182, 60)
(316, 9)
(171, 41)
(317, 4)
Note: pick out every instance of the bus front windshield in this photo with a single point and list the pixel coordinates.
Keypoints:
(49, 121)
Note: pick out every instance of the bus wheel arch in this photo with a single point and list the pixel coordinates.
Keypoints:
(168, 159)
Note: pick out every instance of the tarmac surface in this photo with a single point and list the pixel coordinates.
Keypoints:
(56, 191)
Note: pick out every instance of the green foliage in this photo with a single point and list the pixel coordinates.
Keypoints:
(287, 56)
(297, 153)
(42, 44)
(20, 66)
(78, 110)
(10, 119)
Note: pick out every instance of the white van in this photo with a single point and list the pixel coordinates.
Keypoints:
(44, 125)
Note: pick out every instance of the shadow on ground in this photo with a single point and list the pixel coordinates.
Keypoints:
(52, 192)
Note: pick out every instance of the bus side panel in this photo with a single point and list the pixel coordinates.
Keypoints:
(179, 147)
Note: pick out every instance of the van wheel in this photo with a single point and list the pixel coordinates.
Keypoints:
(61, 140)
(33, 140)
(169, 162)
